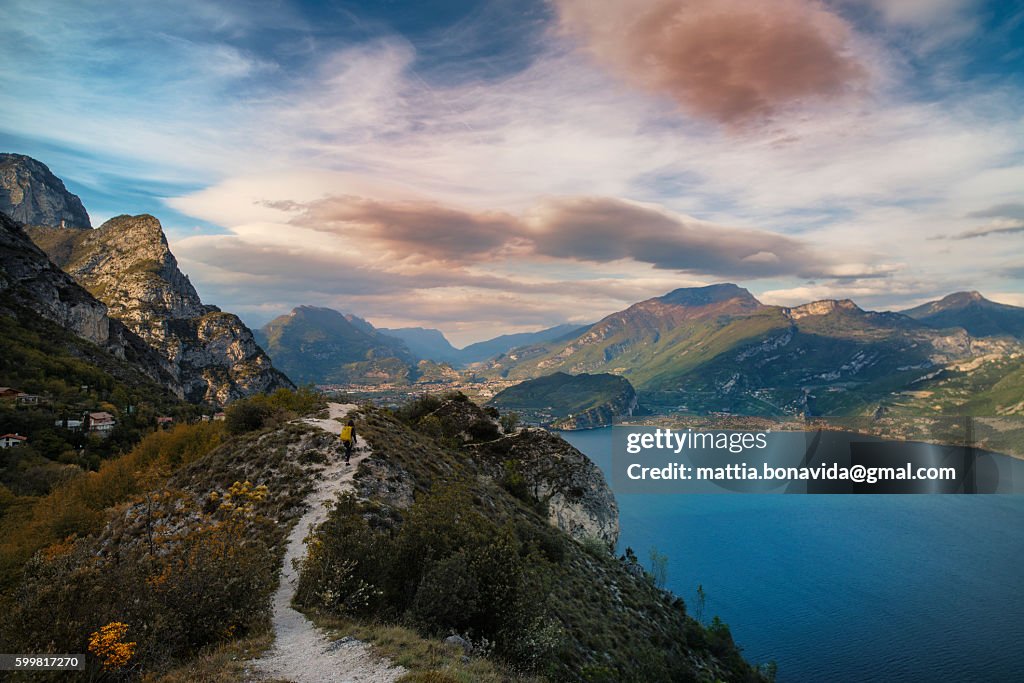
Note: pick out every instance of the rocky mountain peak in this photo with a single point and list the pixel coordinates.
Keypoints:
(823, 307)
(31, 194)
(958, 299)
(970, 310)
(127, 264)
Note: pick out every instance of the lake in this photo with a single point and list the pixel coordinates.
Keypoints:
(844, 587)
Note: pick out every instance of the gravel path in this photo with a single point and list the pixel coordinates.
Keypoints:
(301, 653)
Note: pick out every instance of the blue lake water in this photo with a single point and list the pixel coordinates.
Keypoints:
(845, 587)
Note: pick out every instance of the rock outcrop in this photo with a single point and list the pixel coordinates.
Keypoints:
(603, 415)
(31, 194)
(572, 487)
(30, 281)
(127, 264)
(28, 276)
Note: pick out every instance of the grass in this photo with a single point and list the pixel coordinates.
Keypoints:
(222, 664)
(427, 661)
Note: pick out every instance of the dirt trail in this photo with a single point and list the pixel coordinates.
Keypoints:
(302, 653)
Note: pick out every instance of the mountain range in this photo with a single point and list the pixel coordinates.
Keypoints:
(321, 345)
(718, 348)
(702, 349)
(432, 345)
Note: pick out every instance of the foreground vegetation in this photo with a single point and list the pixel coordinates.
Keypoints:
(165, 553)
(162, 563)
(475, 556)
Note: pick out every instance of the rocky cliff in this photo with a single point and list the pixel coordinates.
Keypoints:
(603, 415)
(127, 264)
(29, 281)
(572, 488)
(31, 194)
(537, 465)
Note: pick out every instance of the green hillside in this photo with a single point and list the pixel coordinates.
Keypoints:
(558, 396)
(71, 376)
(323, 346)
(716, 349)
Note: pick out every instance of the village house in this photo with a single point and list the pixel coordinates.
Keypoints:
(70, 425)
(28, 399)
(8, 392)
(165, 422)
(9, 440)
(101, 423)
(219, 417)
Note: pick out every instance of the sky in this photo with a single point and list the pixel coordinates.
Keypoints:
(507, 165)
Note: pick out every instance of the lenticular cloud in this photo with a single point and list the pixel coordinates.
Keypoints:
(731, 61)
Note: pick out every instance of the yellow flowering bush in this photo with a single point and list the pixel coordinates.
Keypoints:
(109, 646)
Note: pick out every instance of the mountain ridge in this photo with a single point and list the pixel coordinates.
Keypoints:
(127, 263)
(718, 348)
(972, 311)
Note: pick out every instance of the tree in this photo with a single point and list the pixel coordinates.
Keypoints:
(659, 568)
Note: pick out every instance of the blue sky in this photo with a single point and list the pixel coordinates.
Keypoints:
(488, 167)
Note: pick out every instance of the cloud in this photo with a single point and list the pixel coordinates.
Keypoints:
(602, 229)
(1009, 210)
(597, 230)
(731, 61)
(1001, 226)
(867, 293)
(1008, 219)
(389, 152)
(413, 229)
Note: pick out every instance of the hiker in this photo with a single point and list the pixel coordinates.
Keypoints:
(348, 438)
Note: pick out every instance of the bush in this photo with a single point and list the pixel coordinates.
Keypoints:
(484, 430)
(513, 481)
(258, 412)
(509, 422)
(344, 560)
(447, 568)
(245, 416)
(411, 412)
(201, 579)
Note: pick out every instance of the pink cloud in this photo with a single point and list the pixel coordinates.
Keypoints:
(412, 228)
(731, 61)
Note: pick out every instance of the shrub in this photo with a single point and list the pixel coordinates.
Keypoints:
(258, 412)
(512, 480)
(509, 422)
(412, 411)
(343, 563)
(245, 416)
(447, 568)
(483, 430)
(201, 579)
